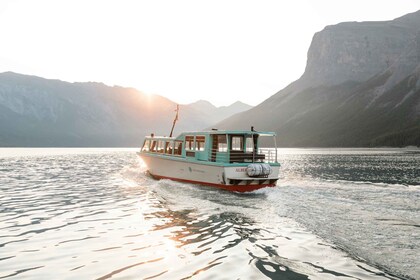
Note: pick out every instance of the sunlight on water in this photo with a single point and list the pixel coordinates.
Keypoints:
(86, 213)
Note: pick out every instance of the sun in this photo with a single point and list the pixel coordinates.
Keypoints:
(147, 97)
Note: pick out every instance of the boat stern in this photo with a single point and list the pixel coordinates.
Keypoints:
(252, 176)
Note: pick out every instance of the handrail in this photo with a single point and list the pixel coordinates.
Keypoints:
(267, 155)
(270, 154)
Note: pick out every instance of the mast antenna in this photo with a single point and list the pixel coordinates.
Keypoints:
(176, 118)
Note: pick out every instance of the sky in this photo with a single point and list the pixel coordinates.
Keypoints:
(219, 50)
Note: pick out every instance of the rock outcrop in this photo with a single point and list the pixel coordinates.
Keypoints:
(360, 88)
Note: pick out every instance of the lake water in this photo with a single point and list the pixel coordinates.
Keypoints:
(95, 214)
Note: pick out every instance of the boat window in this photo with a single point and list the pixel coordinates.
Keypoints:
(237, 143)
(146, 146)
(153, 146)
(249, 144)
(178, 148)
(189, 142)
(200, 142)
(222, 143)
(169, 147)
(161, 146)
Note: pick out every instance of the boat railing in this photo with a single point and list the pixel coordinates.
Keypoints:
(270, 154)
(267, 155)
(218, 155)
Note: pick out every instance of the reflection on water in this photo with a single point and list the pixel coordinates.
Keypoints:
(217, 234)
(98, 216)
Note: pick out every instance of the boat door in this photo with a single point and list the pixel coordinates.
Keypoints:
(219, 148)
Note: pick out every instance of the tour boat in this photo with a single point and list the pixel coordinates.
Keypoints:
(239, 161)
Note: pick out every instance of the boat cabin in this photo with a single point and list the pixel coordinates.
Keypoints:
(216, 146)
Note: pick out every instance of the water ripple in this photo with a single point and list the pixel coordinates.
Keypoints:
(96, 215)
(109, 275)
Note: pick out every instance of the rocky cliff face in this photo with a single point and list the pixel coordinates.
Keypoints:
(355, 51)
(360, 88)
(40, 112)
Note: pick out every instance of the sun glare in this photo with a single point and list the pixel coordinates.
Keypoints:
(148, 97)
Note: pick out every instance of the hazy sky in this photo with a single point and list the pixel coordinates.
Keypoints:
(221, 51)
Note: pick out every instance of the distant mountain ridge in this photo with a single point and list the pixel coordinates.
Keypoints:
(217, 114)
(360, 88)
(40, 112)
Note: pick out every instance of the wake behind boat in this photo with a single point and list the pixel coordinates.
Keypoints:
(228, 159)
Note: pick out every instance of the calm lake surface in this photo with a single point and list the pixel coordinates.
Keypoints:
(95, 214)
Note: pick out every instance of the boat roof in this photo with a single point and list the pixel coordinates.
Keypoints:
(210, 132)
(263, 133)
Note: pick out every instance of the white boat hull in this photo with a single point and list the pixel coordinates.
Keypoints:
(230, 177)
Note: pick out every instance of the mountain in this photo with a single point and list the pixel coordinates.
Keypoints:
(40, 112)
(360, 88)
(216, 114)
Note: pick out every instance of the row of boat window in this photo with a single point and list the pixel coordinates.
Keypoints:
(238, 143)
(175, 146)
(162, 146)
(198, 143)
